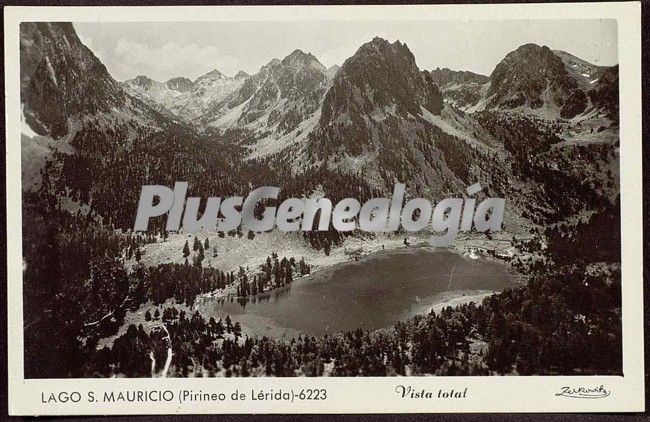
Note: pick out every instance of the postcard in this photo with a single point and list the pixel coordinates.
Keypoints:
(324, 209)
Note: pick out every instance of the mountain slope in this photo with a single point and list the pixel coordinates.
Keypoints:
(581, 70)
(460, 88)
(535, 77)
(65, 89)
(183, 98)
(604, 94)
(532, 79)
(157, 95)
(278, 106)
(62, 81)
(378, 121)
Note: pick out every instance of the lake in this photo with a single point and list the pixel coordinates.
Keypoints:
(374, 292)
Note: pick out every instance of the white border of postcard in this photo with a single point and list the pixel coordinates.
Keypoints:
(349, 395)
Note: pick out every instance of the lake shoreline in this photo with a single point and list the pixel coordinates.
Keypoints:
(392, 284)
(458, 298)
(374, 250)
(259, 326)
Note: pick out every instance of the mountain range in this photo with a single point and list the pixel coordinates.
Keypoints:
(182, 97)
(290, 93)
(533, 79)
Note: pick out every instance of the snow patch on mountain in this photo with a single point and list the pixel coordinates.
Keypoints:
(441, 122)
(276, 142)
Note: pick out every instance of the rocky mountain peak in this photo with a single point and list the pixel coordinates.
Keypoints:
(381, 47)
(529, 60)
(211, 75)
(242, 75)
(298, 59)
(377, 110)
(297, 54)
(534, 76)
(284, 92)
(380, 75)
(141, 81)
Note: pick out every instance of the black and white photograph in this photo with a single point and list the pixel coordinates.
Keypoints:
(320, 198)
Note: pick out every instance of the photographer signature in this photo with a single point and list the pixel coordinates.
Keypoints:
(584, 392)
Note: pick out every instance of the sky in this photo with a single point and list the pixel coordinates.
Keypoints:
(162, 50)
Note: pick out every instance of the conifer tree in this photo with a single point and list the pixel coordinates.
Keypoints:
(228, 324)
